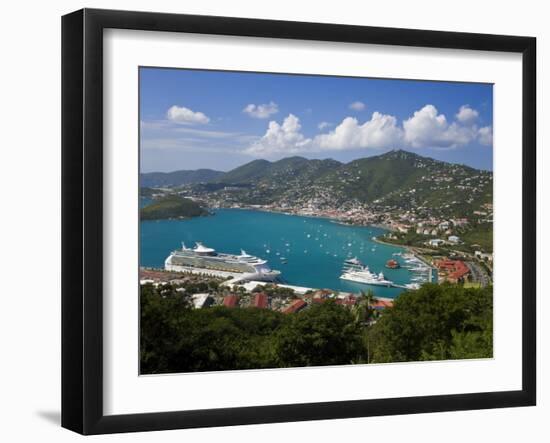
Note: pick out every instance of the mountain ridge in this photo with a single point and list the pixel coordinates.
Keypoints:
(177, 178)
(396, 179)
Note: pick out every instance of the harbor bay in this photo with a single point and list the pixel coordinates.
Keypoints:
(309, 251)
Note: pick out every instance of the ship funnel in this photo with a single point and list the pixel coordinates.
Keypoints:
(183, 246)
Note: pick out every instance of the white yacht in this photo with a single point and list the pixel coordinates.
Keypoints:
(355, 271)
(206, 260)
(412, 286)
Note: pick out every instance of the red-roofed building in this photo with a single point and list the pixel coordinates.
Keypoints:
(260, 300)
(322, 295)
(295, 306)
(382, 304)
(230, 301)
(452, 270)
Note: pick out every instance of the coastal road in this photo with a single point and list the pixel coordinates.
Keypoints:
(478, 273)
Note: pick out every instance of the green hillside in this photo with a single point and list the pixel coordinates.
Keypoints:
(246, 173)
(396, 179)
(287, 170)
(172, 206)
(177, 178)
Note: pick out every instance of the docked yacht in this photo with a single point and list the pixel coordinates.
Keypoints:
(355, 271)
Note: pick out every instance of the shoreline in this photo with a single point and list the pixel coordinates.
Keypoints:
(410, 249)
(333, 219)
(303, 288)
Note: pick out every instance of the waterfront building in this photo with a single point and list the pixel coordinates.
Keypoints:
(201, 300)
(295, 306)
(260, 300)
(452, 270)
(435, 242)
(230, 301)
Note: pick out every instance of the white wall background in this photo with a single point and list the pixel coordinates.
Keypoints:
(30, 219)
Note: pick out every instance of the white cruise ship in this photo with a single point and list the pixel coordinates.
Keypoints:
(355, 271)
(202, 259)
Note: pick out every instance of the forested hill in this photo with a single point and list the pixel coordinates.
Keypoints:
(276, 174)
(398, 179)
(172, 206)
(177, 178)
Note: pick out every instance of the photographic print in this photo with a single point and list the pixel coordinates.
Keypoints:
(305, 220)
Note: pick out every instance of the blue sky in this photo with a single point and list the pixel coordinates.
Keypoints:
(194, 119)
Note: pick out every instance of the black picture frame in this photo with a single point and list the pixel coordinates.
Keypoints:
(82, 232)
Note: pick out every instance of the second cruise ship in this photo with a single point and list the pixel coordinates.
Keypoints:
(355, 271)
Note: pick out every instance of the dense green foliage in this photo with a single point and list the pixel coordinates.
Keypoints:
(177, 178)
(172, 206)
(435, 322)
(481, 235)
(324, 334)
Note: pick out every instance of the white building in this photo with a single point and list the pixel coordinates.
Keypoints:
(454, 239)
(200, 300)
(436, 242)
(484, 255)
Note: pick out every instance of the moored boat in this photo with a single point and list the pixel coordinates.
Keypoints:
(392, 264)
(355, 271)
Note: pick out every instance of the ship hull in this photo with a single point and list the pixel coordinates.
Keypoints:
(223, 272)
(366, 282)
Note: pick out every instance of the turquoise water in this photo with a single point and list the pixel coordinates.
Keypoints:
(314, 248)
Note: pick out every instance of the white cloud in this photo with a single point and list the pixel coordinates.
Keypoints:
(429, 129)
(485, 135)
(426, 128)
(467, 115)
(261, 111)
(381, 131)
(357, 106)
(180, 114)
(281, 139)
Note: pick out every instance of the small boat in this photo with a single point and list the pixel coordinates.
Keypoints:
(392, 264)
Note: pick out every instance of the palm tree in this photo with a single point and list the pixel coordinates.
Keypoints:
(363, 313)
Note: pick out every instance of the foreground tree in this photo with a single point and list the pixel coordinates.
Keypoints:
(324, 334)
(436, 322)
